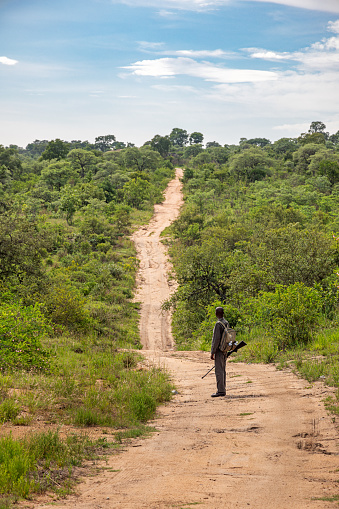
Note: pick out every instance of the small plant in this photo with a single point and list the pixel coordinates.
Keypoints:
(9, 410)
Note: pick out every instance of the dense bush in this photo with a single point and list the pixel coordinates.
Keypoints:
(290, 314)
(22, 329)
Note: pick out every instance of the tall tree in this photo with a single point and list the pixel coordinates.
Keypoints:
(141, 159)
(57, 174)
(36, 148)
(56, 149)
(317, 127)
(161, 144)
(178, 137)
(82, 160)
(196, 138)
(10, 159)
(105, 143)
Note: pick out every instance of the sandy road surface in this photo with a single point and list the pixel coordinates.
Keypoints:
(153, 286)
(268, 444)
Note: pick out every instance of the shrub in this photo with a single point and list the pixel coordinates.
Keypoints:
(290, 314)
(21, 331)
(143, 405)
(65, 307)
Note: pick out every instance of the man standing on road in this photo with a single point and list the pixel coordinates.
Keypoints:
(217, 355)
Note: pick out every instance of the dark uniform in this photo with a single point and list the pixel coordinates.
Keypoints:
(220, 358)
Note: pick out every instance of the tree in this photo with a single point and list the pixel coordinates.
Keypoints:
(196, 138)
(317, 127)
(105, 143)
(36, 148)
(211, 144)
(136, 191)
(302, 156)
(5, 178)
(285, 147)
(259, 142)
(70, 201)
(118, 145)
(21, 248)
(330, 169)
(82, 160)
(10, 159)
(56, 149)
(81, 144)
(57, 174)
(142, 159)
(290, 254)
(219, 154)
(192, 150)
(161, 144)
(334, 138)
(250, 164)
(178, 137)
(314, 138)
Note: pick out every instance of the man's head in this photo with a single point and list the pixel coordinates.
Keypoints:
(219, 312)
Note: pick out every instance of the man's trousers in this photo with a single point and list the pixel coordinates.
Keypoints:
(220, 371)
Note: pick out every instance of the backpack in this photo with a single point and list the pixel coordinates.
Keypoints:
(227, 339)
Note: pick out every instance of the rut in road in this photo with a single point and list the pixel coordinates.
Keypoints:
(268, 444)
(153, 284)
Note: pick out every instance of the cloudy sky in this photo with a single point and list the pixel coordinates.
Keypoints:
(77, 69)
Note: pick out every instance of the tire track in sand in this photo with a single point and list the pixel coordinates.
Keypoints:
(153, 287)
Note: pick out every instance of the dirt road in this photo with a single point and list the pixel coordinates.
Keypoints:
(268, 444)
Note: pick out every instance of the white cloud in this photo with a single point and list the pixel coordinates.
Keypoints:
(320, 56)
(301, 94)
(167, 67)
(268, 55)
(175, 88)
(333, 26)
(200, 53)
(146, 45)
(7, 61)
(194, 5)
(315, 5)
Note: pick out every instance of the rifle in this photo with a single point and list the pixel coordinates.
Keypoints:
(235, 347)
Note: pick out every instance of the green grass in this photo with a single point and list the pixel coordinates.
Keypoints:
(335, 498)
(96, 387)
(46, 462)
(317, 361)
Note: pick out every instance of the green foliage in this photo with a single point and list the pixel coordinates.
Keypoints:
(290, 314)
(66, 307)
(21, 332)
(39, 463)
(22, 244)
(250, 165)
(136, 191)
(178, 137)
(55, 149)
(9, 410)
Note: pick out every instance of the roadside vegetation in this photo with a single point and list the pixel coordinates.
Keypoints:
(68, 324)
(259, 235)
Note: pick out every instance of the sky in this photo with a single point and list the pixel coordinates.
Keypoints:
(229, 69)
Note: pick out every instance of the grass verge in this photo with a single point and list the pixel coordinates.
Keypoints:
(47, 462)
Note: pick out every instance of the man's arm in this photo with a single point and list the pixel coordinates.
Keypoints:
(216, 339)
